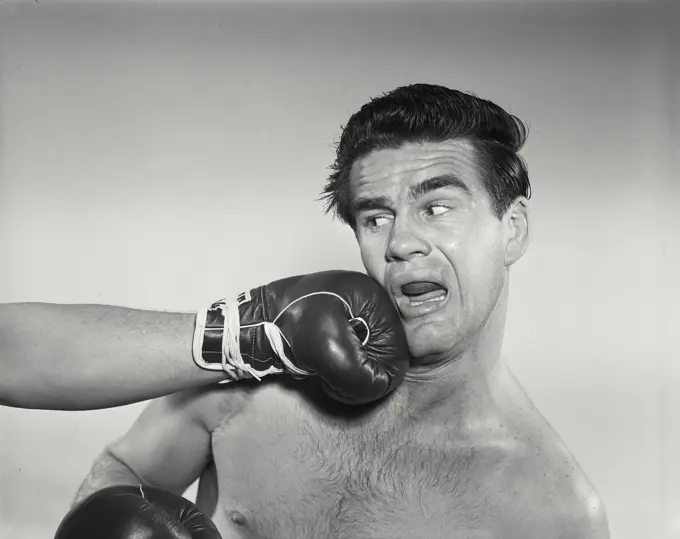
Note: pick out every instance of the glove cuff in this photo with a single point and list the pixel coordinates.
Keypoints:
(217, 343)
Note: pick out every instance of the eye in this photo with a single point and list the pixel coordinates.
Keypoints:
(375, 221)
(436, 209)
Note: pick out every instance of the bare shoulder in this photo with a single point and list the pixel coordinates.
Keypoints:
(548, 494)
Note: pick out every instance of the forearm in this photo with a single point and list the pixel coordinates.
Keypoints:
(79, 357)
(107, 471)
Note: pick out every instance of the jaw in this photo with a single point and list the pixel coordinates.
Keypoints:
(455, 344)
(431, 339)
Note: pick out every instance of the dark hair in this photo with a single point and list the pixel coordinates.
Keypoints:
(430, 113)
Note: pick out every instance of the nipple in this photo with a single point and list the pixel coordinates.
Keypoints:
(237, 518)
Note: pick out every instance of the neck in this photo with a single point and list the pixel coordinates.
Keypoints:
(464, 381)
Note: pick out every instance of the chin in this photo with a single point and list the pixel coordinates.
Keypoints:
(428, 341)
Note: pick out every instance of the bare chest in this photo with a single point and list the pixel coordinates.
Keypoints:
(290, 472)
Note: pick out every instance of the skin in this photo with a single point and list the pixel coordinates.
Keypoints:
(457, 451)
(86, 357)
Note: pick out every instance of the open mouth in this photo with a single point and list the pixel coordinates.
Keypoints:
(423, 292)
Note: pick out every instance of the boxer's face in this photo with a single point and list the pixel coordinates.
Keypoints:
(427, 233)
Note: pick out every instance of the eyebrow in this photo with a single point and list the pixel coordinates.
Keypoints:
(438, 182)
(371, 203)
(418, 190)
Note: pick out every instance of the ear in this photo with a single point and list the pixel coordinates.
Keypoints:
(518, 237)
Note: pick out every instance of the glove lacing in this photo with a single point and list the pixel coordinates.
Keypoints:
(232, 360)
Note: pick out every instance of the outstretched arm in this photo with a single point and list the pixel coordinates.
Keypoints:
(338, 325)
(81, 357)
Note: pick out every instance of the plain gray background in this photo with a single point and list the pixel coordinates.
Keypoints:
(163, 154)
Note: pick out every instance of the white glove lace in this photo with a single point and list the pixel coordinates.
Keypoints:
(232, 361)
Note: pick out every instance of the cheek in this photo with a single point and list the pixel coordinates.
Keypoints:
(373, 258)
(477, 261)
(488, 267)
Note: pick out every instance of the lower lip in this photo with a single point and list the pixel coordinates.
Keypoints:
(409, 310)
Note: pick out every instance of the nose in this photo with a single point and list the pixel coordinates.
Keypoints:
(405, 242)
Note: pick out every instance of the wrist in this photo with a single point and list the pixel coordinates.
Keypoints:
(235, 337)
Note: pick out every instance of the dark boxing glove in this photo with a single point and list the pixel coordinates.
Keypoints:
(338, 325)
(132, 512)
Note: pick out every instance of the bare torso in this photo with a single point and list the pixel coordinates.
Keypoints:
(287, 468)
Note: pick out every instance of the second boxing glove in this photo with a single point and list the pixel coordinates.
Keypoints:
(134, 512)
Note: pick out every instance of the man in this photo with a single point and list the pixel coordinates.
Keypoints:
(431, 182)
